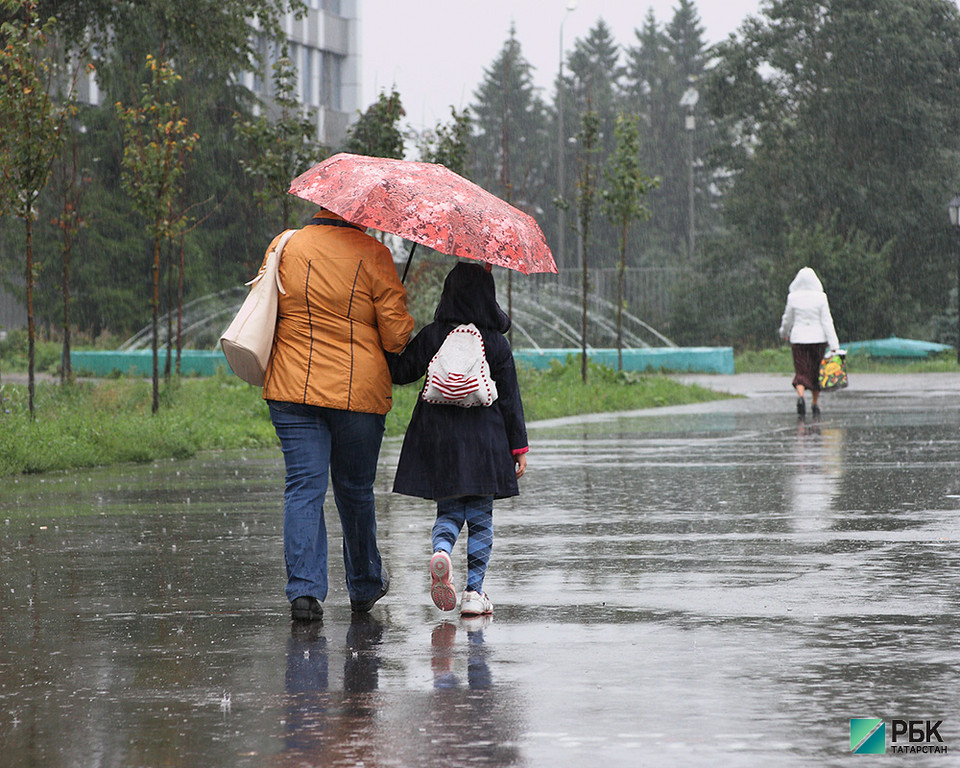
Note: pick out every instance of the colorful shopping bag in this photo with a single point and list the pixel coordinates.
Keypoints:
(833, 372)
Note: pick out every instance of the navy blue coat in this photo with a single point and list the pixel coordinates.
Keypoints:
(453, 451)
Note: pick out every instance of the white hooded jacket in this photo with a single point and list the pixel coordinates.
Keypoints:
(807, 319)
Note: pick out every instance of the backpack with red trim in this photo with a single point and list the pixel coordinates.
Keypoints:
(459, 373)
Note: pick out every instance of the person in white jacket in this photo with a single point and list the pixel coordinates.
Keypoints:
(808, 326)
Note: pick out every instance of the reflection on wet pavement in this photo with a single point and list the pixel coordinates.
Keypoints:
(709, 585)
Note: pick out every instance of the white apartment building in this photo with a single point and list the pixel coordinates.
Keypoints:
(324, 48)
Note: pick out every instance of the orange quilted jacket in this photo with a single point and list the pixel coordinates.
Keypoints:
(344, 305)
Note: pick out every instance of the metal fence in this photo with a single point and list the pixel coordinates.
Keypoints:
(648, 292)
(547, 309)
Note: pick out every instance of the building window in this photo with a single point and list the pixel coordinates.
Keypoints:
(331, 95)
(308, 89)
(332, 6)
(259, 86)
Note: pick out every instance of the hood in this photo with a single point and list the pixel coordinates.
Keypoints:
(806, 280)
(470, 296)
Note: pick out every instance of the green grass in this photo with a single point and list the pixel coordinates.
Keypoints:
(780, 361)
(109, 421)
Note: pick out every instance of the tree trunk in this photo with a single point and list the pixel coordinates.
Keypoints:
(156, 308)
(180, 308)
(586, 290)
(66, 370)
(168, 363)
(31, 355)
(623, 258)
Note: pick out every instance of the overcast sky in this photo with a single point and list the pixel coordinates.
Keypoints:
(435, 51)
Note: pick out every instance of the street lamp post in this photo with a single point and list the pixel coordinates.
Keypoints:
(561, 212)
(688, 102)
(953, 207)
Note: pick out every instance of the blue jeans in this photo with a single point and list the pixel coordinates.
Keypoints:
(321, 443)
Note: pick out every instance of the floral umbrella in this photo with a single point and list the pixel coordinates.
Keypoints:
(427, 204)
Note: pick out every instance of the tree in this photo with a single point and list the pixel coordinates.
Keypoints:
(586, 199)
(848, 121)
(448, 144)
(663, 66)
(31, 134)
(510, 149)
(377, 131)
(281, 141)
(623, 199)
(156, 143)
(591, 86)
(211, 43)
(71, 180)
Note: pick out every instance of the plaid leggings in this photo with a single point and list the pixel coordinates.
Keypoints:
(477, 513)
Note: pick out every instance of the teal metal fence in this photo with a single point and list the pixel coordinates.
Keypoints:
(196, 362)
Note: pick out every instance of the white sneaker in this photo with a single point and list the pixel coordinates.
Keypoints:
(475, 603)
(441, 589)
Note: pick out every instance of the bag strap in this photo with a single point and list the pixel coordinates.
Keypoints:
(278, 251)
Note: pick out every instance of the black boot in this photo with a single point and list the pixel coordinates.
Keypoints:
(306, 608)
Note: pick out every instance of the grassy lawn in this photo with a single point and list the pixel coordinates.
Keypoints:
(780, 361)
(109, 421)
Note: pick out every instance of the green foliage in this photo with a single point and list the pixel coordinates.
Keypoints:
(110, 422)
(447, 144)
(627, 185)
(32, 126)
(14, 352)
(377, 131)
(156, 144)
(210, 43)
(107, 422)
(280, 146)
(623, 199)
(826, 133)
(848, 121)
(510, 141)
(855, 274)
(31, 132)
(425, 284)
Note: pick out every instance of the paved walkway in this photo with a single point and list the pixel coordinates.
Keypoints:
(718, 584)
(773, 384)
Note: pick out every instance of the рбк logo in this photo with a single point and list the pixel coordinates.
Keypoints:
(868, 736)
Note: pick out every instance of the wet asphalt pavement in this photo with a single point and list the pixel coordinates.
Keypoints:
(710, 585)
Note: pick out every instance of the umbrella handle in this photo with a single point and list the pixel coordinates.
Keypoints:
(407, 267)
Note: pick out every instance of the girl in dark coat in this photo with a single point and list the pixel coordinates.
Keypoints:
(463, 458)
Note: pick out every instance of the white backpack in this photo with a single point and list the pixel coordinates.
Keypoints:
(459, 373)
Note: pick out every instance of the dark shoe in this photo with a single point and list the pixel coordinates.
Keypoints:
(306, 608)
(816, 411)
(366, 605)
(801, 406)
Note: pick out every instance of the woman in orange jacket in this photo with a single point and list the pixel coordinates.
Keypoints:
(328, 389)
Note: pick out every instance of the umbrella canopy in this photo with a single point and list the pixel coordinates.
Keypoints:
(427, 204)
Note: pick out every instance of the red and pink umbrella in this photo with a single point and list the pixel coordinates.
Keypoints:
(428, 204)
